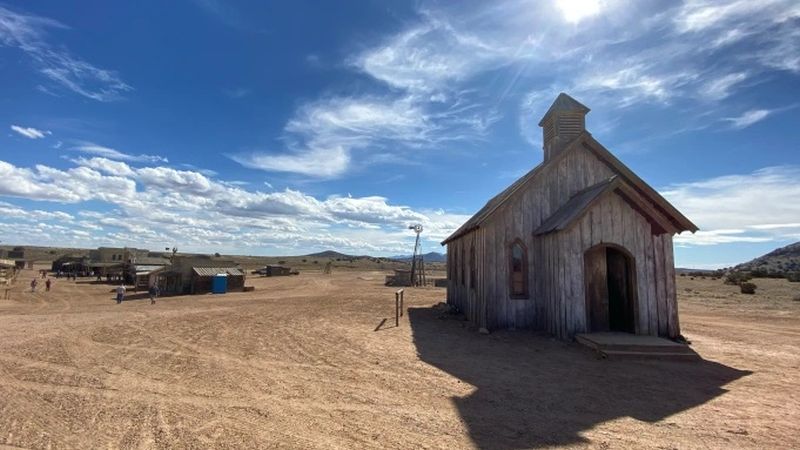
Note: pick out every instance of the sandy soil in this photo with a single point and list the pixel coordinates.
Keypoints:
(298, 363)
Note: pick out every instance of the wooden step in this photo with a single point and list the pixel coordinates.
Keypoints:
(621, 354)
(625, 345)
(646, 348)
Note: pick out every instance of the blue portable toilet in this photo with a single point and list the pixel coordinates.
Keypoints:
(219, 283)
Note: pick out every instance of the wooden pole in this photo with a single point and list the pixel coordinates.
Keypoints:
(401, 302)
(397, 309)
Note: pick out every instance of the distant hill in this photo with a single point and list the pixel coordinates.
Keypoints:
(427, 257)
(783, 260)
(331, 254)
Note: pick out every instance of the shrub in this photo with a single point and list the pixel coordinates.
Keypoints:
(683, 274)
(796, 298)
(217, 255)
(793, 277)
(748, 288)
(304, 260)
(735, 278)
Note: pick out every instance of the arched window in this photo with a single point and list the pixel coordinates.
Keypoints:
(472, 266)
(518, 268)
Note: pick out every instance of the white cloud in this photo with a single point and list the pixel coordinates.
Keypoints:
(110, 153)
(30, 132)
(748, 118)
(10, 211)
(155, 204)
(313, 162)
(181, 180)
(28, 33)
(700, 15)
(427, 56)
(721, 87)
(106, 166)
(755, 207)
(71, 186)
(323, 135)
(633, 84)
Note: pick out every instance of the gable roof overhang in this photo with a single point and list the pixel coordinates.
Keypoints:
(681, 223)
(585, 140)
(583, 201)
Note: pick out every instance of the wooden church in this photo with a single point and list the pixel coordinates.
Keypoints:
(579, 244)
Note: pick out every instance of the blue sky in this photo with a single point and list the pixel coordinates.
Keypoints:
(263, 128)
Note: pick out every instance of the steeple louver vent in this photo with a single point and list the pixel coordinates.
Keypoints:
(563, 122)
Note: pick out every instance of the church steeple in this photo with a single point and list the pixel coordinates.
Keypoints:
(565, 120)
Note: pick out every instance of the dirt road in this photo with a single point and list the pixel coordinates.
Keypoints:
(298, 364)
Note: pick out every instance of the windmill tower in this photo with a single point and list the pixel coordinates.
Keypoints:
(417, 263)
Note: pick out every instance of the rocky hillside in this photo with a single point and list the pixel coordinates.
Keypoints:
(780, 261)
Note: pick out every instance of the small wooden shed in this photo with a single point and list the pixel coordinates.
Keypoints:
(202, 280)
(578, 244)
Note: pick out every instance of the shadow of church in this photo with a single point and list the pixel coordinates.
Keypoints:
(534, 391)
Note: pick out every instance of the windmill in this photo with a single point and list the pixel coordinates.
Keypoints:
(417, 263)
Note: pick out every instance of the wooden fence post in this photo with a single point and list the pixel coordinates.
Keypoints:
(398, 306)
(397, 309)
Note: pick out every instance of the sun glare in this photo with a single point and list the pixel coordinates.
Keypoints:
(575, 11)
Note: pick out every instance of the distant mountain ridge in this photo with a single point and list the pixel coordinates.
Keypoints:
(427, 257)
(781, 260)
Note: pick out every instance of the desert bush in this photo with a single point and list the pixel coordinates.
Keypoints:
(281, 262)
(304, 260)
(735, 278)
(683, 274)
(796, 298)
(793, 277)
(748, 288)
(217, 255)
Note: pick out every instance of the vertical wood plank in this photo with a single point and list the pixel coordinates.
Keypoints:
(674, 329)
(661, 293)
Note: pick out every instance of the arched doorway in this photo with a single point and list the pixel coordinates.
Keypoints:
(610, 282)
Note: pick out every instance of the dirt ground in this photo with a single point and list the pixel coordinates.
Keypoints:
(300, 363)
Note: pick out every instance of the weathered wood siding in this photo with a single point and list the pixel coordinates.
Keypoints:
(610, 221)
(556, 300)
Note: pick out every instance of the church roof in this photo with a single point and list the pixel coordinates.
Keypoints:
(635, 186)
(576, 206)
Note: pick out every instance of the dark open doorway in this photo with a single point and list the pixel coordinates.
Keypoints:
(610, 289)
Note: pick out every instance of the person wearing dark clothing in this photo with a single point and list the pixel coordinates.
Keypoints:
(153, 291)
(47, 285)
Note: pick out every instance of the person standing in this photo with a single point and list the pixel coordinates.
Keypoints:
(34, 282)
(120, 293)
(47, 285)
(153, 294)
